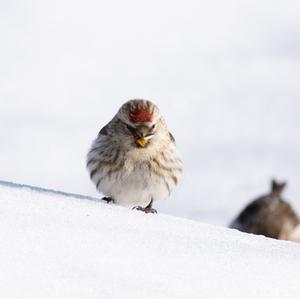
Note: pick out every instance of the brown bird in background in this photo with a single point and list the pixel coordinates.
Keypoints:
(270, 215)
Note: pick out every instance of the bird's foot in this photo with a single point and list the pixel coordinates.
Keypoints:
(108, 199)
(146, 209)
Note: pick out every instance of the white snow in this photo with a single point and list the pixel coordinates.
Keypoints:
(58, 245)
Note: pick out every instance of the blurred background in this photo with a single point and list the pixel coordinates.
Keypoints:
(225, 75)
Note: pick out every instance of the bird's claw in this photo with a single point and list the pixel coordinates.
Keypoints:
(108, 199)
(146, 210)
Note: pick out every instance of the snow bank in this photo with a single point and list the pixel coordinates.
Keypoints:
(57, 245)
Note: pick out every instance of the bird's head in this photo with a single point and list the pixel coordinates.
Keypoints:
(140, 119)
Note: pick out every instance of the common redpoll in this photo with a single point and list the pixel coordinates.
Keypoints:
(134, 160)
(270, 215)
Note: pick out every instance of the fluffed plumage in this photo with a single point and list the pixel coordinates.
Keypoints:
(134, 160)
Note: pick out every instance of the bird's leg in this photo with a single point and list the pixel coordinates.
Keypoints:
(108, 199)
(147, 209)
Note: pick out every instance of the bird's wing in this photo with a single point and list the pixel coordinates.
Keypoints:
(104, 130)
(172, 137)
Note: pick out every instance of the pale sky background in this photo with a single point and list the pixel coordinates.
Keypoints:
(224, 73)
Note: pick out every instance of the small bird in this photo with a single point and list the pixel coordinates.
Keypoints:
(134, 159)
(270, 215)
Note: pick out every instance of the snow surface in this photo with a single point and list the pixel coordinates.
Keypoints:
(224, 73)
(58, 245)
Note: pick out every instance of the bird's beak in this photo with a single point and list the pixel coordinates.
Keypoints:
(141, 142)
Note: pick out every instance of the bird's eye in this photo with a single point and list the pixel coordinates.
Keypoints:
(131, 129)
(153, 127)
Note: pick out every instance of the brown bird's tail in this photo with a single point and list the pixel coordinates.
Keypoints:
(277, 187)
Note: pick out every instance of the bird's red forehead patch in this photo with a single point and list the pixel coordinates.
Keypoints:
(140, 115)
